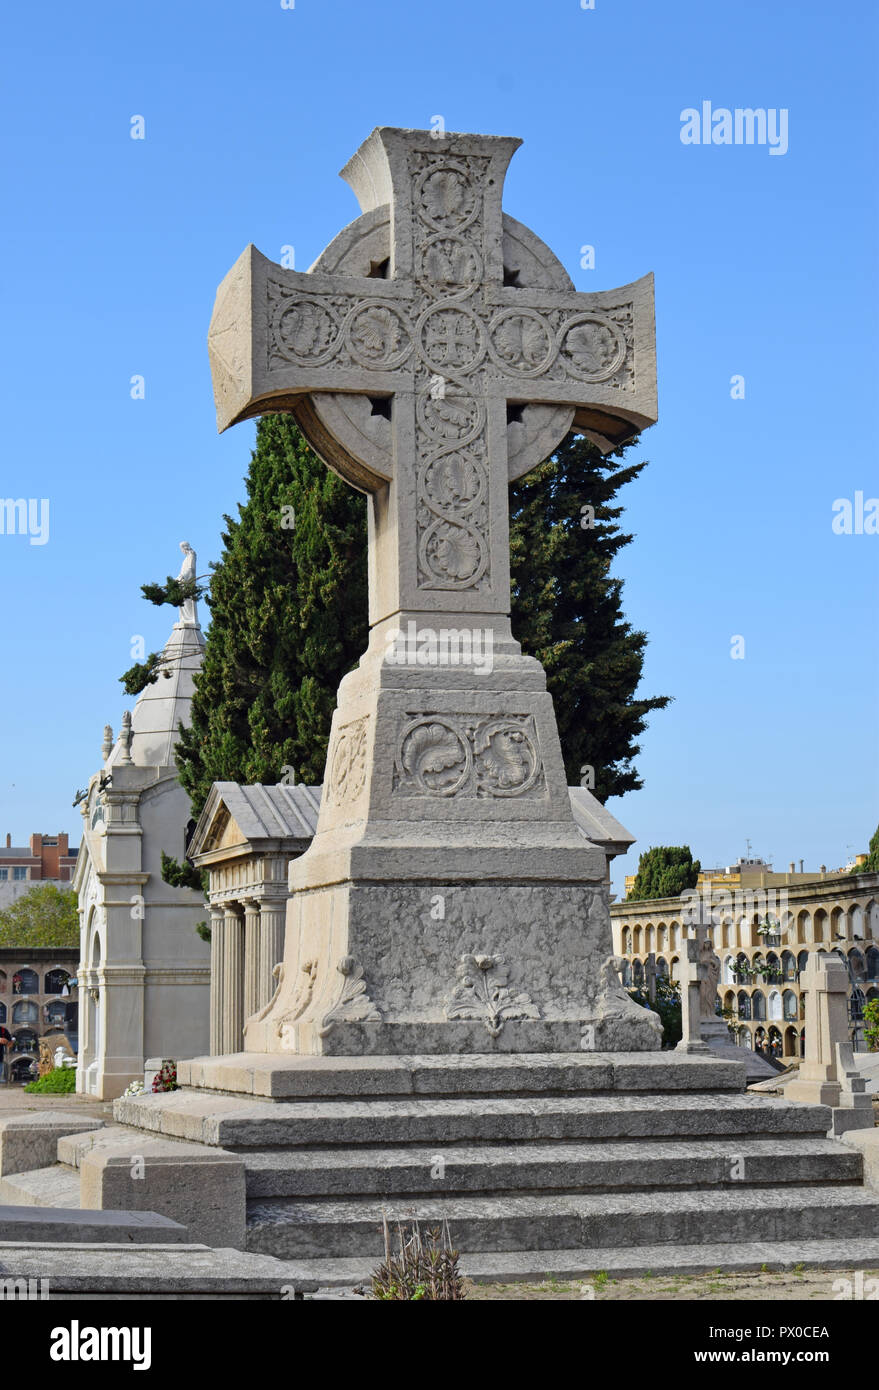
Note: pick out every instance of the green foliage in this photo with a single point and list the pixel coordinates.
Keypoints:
(59, 1081)
(203, 930)
(667, 1004)
(665, 871)
(288, 619)
(141, 674)
(424, 1268)
(871, 866)
(288, 609)
(567, 609)
(871, 1024)
(184, 875)
(173, 591)
(44, 916)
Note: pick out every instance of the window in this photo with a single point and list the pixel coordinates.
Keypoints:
(4, 875)
(19, 872)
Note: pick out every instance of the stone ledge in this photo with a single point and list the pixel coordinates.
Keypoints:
(30, 1141)
(154, 1271)
(56, 1224)
(278, 1076)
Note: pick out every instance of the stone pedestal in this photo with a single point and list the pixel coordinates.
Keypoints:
(448, 902)
(827, 1074)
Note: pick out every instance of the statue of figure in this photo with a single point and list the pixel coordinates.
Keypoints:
(187, 571)
(709, 979)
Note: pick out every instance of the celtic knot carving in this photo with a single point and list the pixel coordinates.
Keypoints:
(455, 347)
(348, 762)
(450, 755)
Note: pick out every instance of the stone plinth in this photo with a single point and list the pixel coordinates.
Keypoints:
(827, 1074)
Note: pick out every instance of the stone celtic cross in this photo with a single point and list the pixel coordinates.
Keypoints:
(435, 351)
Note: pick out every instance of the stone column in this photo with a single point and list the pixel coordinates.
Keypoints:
(217, 925)
(232, 1001)
(271, 946)
(252, 999)
(827, 1074)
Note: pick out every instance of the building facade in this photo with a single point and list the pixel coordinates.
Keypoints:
(36, 1000)
(144, 969)
(763, 937)
(48, 858)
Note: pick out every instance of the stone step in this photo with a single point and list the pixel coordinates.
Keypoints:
(621, 1262)
(610, 1165)
(290, 1229)
(158, 1270)
(240, 1124)
(55, 1186)
(71, 1225)
(297, 1077)
(120, 1140)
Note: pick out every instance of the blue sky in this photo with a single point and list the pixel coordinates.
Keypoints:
(765, 267)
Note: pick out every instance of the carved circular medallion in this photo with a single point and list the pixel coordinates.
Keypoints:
(377, 336)
(521, 341)
(453, 481)
(305, 330)
(593, 347)
(450, 414)
(449, 265)
(453, 553)
(445, 198)
(507, 761)
(434, 756)
(451, 338)
(348, 769)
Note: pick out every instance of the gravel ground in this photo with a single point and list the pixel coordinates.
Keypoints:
(812, 1285)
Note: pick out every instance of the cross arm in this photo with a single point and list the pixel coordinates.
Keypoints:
(593, 351)
(277, 335)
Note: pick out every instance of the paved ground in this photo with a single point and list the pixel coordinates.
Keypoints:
(15, 1100)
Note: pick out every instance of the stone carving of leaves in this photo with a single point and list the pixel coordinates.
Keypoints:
(305, 329)
(458, 417)
(456, 479)
(445, 195)
(432, 749)
(483, 992)
(455, 551)
(504, 757)
(450, 262)
(592, 347)
(376, 332)
(521, 341)
(354, 1004)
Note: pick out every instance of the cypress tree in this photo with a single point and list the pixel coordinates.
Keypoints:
(288, 608)
(288, 604)
(567, 610)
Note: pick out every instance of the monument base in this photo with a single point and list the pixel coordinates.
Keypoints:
(496, 967)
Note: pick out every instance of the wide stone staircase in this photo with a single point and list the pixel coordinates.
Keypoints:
(561, 1165)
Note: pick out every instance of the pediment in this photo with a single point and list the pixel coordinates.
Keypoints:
(223, 833)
